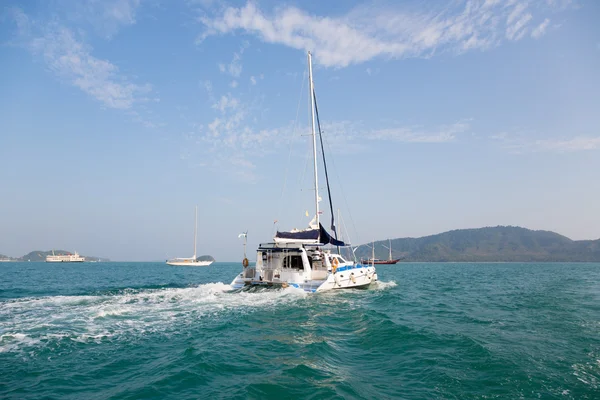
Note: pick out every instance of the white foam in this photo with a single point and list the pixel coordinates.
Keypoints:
(13, 341)
(380, 285)
(35, 321)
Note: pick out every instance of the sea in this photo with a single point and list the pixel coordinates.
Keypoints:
(424, 331)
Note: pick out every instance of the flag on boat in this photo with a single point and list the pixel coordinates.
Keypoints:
(242, 234)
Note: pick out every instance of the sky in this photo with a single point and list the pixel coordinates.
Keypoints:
(118, 117)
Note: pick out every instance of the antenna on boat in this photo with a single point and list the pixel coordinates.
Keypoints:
(314, 135)
(245, 236)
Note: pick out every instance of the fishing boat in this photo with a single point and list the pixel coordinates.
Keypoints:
(390, 260)
(301, 258)
(191, 261)
(64, 257)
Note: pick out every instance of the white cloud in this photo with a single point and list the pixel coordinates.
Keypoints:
(370, 71)
(70, 59)
(520, 144)
(354, 133)
(226, 102)
(415, 136)
(518, 29)
(233, 84)
(367, 32)
(579, 143)
(234, 68)
(253, 80)
(540, 30)
(208, 86)
(105, 16)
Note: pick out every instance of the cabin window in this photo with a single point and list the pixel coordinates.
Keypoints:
(293, 261)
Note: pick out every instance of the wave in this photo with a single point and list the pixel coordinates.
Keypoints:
(380, 285)
(31, 322)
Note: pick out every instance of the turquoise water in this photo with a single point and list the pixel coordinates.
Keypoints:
(450, 331)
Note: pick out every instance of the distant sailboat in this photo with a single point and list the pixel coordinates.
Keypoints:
(374, 260)
(192, 261)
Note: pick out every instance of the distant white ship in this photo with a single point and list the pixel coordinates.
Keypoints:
(190, 261)
(64, 257)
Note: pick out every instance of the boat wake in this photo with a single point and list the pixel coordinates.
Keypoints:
(29, 323)
(379, 285)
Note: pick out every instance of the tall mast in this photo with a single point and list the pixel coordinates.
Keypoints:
(390, 241)
(195, 231)
(373, 253)
(314, 135)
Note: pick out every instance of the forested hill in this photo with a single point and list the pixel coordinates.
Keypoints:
(501, 243)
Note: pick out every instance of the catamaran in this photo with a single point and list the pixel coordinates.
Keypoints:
(299, 258)
(191, 261)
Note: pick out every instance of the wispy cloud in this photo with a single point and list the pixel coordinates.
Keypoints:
(540, 30)
(355, 131)
(69, 58)
(521, 144)
(226, 102)
(367, 32)
(107, 17)
(516, 23)
(234, 68)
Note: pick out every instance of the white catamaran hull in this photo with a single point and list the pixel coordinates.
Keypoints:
(304, 267)
(359, 277)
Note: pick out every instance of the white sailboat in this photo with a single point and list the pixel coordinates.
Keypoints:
(191, 261)
(300, 258)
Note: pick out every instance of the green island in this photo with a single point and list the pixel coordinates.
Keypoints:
(39, 255)
(489, 244)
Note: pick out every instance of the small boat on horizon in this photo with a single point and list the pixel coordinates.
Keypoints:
(390, 260)
(64, 257)
(191, 261)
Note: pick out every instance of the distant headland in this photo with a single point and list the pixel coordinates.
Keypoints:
(39, 255)
(490, 244)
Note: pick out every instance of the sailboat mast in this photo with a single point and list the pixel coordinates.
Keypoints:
(314, 135)
(195, 230)
(373, 253)
(390, 242)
